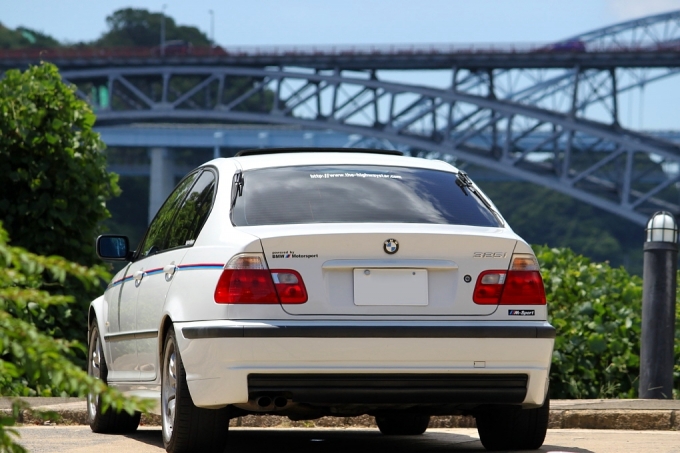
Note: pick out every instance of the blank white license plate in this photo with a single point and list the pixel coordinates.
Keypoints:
(390, 287)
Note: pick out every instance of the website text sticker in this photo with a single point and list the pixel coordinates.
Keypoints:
(353, 175)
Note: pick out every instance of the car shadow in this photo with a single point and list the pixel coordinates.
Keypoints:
(316, 440)
(562, 449)
(150, 435)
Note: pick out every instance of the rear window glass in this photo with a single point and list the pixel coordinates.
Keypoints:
(356, 194)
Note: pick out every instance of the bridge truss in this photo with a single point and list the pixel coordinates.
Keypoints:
(559, 128)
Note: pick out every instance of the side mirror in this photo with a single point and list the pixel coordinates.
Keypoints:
(112, 247)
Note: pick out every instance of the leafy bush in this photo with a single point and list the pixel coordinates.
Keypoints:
(31, 362)
(55, 183)
(596, 310)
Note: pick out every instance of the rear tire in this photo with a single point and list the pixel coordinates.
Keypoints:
(508, 428)
(402, 424)
(187, 428)
(110, 421)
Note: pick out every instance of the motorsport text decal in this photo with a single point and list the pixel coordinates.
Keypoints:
(292, 254)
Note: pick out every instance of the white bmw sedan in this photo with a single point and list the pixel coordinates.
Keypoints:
(325, 283)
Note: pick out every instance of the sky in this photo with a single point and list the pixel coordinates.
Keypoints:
(279, 22)
(327, 22)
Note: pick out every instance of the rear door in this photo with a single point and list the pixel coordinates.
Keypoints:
(153, 273)
(189, 212)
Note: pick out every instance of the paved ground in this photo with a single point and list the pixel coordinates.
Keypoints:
(600, 426)
(566, 414)
(75, 439)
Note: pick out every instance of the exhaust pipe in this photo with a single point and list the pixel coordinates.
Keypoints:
(264, 402)
(271, 402)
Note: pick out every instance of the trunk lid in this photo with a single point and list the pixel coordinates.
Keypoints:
(347, 270)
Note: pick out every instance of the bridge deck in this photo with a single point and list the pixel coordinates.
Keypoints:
(357, 58)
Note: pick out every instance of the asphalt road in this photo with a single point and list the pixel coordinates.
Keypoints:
(61, 439)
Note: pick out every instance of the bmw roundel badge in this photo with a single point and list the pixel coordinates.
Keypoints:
(391, 246)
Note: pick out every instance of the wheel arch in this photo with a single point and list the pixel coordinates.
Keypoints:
(95, 311)
(166, 324)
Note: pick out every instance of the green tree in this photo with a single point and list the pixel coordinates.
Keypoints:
(31, 362)
(54, 180)
(24, 37)
(138, 27)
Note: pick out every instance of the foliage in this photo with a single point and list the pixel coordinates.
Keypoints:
(596, 310)
(23, 37)
(127, 27)
(55, 183)
(31, 362)
(544, 216)
(139, 27)
(51, 166)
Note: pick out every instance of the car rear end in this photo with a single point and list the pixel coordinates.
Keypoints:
(369, 284)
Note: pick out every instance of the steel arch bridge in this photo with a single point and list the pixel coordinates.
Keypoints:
(558, 128)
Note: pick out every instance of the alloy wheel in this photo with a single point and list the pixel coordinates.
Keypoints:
(94, 370)
(169, 390)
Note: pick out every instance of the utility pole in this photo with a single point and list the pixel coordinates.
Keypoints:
(212, 28)
(163, 29)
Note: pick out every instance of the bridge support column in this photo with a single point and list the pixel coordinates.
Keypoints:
(162, 179)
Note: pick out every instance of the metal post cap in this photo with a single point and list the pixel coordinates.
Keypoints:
(662, 227)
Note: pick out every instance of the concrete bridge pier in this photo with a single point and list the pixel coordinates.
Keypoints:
(162, 178)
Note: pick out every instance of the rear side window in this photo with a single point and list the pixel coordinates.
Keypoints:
(155, 239)
(356, 194)
(193, 213)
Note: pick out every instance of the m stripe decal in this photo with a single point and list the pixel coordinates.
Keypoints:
(192, 267)
(181, 267)
(118, 282)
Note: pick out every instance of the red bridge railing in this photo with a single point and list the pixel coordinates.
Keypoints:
(187, 50)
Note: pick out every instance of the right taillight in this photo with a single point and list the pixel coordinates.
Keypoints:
(247, 280)
(520, 285)
(289, 286)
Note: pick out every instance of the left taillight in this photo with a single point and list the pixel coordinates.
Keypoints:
(247, 280)
(520, 285)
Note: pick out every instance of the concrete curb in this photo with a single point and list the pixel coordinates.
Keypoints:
(614, 419)
(564, 414)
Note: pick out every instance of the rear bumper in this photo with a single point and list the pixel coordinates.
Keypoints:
(230, 362)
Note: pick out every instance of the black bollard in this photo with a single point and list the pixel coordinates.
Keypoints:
(658, 307)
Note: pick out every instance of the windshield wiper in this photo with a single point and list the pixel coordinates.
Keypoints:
(237, 190)
(464, 182)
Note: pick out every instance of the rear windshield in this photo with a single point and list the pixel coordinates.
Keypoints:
(356, 194)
